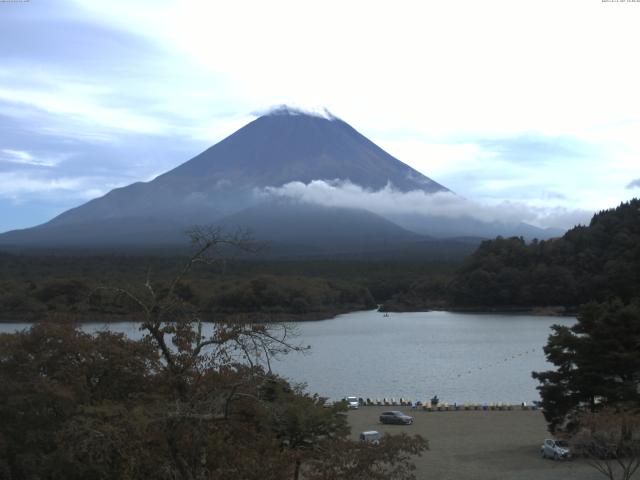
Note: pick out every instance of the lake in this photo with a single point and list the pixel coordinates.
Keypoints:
(461, 357)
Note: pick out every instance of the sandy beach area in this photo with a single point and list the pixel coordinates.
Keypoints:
(478, 445)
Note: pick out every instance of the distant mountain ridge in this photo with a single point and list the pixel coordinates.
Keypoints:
(223, 186)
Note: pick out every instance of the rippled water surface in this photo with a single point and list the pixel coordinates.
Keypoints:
(460, 357)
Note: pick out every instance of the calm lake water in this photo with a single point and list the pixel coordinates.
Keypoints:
(460, 357)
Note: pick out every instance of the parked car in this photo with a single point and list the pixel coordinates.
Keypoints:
(370, 436)
(352, 402)
(556, 449)
(395, 416)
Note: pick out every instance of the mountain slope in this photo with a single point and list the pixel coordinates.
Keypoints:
(223, 185)
(286, 146)
(272, 150)
(320, 229)
(226, 184)
(467, 226)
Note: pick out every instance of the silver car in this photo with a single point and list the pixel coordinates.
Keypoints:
(352, 403)
(556, 449)
(370, 436)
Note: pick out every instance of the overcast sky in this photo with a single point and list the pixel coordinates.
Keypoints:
(531, 103)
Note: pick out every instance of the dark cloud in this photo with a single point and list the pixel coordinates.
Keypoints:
(45, 135)
(58, 48)
(59, 34)
(86, 107)
(634, 184)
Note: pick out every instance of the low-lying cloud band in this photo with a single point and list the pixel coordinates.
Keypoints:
(390, 201)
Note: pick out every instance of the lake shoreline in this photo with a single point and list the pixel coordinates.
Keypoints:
(260, 317)
(548, 311)
(255, 317)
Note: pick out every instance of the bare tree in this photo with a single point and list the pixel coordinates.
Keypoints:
(178, 331)
(208, 366)
(220, 408)
(610, 441)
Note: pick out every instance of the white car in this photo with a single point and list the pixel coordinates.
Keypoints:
(352, 402)
(556, 449)
(370, 436)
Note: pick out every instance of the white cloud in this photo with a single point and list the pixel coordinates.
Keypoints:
(25, 158)
(60, 96)
(427, 80)
(17, 185)
(443, 67)
(388, 201)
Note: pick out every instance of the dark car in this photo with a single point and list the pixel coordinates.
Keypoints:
(397, 417)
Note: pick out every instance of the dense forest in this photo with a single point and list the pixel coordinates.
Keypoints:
(47, 286)
(589, 263)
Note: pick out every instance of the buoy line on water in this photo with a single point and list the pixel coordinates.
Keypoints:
(495, 364)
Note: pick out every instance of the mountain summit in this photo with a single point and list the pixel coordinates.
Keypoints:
(283, 146)
(222, 182)
(287, 145)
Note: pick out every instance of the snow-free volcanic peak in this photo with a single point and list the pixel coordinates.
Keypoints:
(282, 146)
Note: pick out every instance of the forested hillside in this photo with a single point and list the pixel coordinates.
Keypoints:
(35, 287)
(268, 297)
(592, 262)
(589, 263)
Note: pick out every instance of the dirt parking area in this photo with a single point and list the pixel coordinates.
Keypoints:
(478, 445)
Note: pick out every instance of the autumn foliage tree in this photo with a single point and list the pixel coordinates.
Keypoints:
(188, 401)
